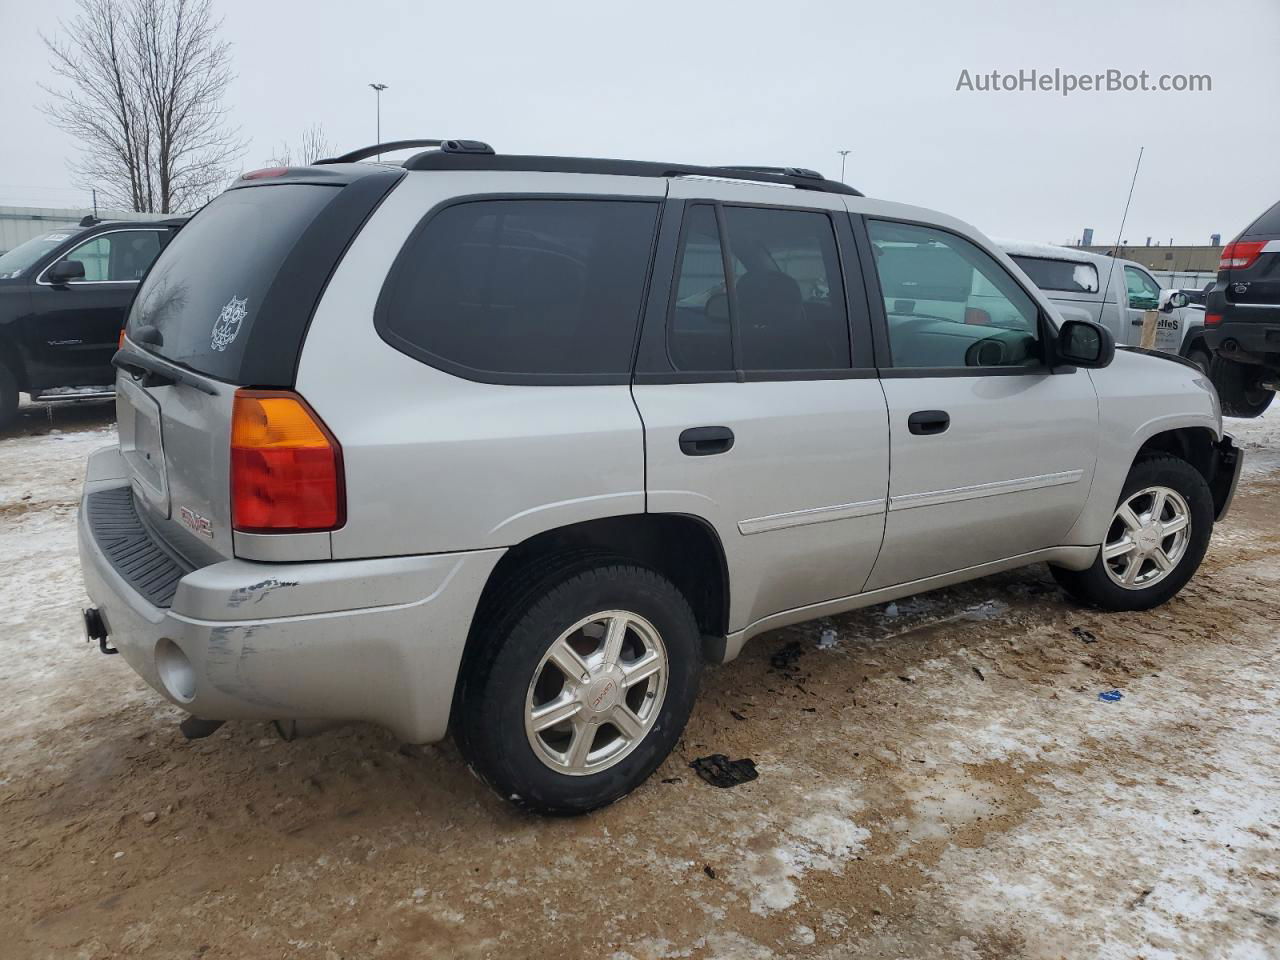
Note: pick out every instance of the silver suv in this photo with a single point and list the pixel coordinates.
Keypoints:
(513, 445)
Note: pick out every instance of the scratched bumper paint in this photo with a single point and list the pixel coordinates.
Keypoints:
(375, 640)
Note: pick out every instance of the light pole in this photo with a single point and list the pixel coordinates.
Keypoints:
(377, 91)
(843, 154)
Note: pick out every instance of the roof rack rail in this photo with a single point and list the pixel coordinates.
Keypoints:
(445, 159)
(780, 171)
(447, 146)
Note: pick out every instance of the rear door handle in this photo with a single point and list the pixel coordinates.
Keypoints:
(704, 441)
(927, 423)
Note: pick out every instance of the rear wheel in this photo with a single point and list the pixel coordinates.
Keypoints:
(582, 690)
(1239, 387)
(1201, 357)
(8, 396)
(1155, 542)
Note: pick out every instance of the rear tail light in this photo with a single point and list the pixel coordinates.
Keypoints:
(286, 467)
(120, 342)
(1212, 319)
(1240, 254)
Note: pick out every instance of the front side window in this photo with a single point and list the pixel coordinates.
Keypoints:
(123, 255)
(1144, 292)
(786, 303)
(949, 304)
(1067, 276)
(527, 287)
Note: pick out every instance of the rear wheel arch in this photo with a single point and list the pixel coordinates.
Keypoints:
(684, 549)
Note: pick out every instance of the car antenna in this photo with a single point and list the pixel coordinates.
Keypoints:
(1115, 252)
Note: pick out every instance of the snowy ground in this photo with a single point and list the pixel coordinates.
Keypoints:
(937, 779)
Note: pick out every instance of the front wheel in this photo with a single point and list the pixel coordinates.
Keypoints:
(1239, 387)
(1155, 542)
(581, 690)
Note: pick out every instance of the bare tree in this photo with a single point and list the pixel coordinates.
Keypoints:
(143, 95)
(312, 146)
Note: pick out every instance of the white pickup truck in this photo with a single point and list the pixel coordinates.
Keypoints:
(1114, 293)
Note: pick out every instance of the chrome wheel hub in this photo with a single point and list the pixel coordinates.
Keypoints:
(597, 692)
(1148, 537)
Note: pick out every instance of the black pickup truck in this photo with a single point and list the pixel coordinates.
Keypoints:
(63, 301)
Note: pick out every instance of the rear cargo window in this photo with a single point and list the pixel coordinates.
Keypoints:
(205, 292)
(1267, 225)
(490, 289)
(1065, 275)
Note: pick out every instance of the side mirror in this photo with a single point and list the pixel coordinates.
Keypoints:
(64, 271)
(1085, 344)
(716, 308)
(1171, 300)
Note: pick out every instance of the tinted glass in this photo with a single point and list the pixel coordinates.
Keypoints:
(1065, 275)
(118, 256)
(789, 296)
(523, 286)
(948, 303)
(24, 255)
(1267, 225)
(698, 335)
(1144, 292)
(206, 289)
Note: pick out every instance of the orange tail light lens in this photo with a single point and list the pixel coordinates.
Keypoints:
(286, 467)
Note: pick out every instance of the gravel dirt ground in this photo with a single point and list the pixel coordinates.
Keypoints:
(938, 778)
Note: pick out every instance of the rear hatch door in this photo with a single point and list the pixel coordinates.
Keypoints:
(226, 305)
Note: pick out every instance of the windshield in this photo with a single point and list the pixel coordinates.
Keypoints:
(204, 294)
(14, 263)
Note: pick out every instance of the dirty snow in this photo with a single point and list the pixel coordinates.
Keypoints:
(937, 780)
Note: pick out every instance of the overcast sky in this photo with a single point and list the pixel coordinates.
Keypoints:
(785, 83)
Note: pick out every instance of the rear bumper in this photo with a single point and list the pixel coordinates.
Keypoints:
(1254, 332)
(377, 640)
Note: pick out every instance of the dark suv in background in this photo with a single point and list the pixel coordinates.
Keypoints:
(1242, 319)
(63, 299)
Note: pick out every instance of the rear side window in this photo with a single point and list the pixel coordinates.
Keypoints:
(205, 294)
(491, 289)
(786, 297)
(1065, 275)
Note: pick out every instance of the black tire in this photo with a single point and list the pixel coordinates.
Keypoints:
(1201, 357)
(1095, 586)
(8, 396)
(1240, 387)
(489, 717)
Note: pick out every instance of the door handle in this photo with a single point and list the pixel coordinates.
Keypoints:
(927, 423)
(704, 441)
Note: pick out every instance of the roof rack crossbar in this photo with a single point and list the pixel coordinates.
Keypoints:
(797, 177)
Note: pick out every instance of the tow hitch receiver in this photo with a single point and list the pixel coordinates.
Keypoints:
(95, 628)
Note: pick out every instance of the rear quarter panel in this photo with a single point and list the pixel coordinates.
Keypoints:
(1139, 397)
(437, 463)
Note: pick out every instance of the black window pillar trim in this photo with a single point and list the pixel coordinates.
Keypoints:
(731, 295)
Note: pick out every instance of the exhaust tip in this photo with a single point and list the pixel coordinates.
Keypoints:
(197, 728)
